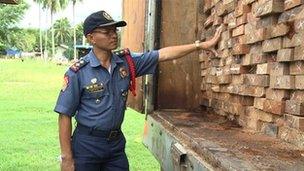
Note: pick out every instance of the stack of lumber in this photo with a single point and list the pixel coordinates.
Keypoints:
(258, 77)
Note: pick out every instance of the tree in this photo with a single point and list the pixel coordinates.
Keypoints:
(40, 29)
(62, 29)
(79, 33)
(23, 39)
(54, 6)
(8, 19)
(74, 27)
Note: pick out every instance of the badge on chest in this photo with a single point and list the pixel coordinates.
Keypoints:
(94, 86)
(123, 72)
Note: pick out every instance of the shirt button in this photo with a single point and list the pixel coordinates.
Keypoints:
(97, 101)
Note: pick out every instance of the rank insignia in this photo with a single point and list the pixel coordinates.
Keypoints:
(95, 87)
(123, 72)
(94, 80)
(65, 83)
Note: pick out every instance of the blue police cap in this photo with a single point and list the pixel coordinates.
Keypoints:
(100, 19)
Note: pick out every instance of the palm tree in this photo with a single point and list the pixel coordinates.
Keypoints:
(62, 30)
(74, 26)
(54, 6)
(40, 29)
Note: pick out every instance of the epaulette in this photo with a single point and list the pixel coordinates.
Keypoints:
(122, 52)
(78, 65)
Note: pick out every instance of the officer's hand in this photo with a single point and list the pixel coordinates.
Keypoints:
(209, 44)
(67, 164)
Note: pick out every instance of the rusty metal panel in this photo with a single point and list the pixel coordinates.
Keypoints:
(179, 80)
(133, 38)
(166, 149)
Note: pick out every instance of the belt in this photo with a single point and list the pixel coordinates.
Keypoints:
(109, 134)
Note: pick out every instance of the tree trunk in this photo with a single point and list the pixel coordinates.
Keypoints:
(53, 35)
(46, 38)
(74, 30)
(40, 33)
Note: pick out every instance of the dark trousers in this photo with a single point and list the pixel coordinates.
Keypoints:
(94, 153)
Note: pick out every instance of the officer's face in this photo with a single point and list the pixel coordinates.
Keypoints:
(104, 38)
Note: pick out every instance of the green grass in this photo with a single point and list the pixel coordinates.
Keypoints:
(28, 125)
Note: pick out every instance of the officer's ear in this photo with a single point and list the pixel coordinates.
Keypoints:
(90, 39)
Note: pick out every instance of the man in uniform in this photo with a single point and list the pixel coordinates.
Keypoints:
(95, 91)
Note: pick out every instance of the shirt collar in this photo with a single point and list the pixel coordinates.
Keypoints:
(94, 62)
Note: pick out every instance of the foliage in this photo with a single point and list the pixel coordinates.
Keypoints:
(62, 31)
(11, 14)
(69, 53)
(8, 19)
(23, 39)
(79, 33)
(53, 5)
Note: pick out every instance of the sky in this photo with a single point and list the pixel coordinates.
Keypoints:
(83, 9)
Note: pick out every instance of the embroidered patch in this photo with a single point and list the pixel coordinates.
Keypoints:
(123, 72)
(65, 82)
(107, 16)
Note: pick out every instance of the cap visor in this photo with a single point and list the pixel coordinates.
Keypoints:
(114, 23)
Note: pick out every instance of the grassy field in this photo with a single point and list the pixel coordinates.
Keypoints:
(28, 125)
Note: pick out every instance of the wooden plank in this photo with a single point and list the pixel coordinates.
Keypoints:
(179, 80)
(133, 38)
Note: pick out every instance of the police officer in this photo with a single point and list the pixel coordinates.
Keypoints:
(95, 91)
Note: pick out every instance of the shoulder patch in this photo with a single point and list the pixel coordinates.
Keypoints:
(122, 52)
(78, 65)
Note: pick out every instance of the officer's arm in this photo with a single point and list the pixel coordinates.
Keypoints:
(175, 52)
(65, 130)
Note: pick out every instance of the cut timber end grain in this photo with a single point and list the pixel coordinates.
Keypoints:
(294, 107)
(290, 15)
(297, 95)
(275, 107)
(241, 9)
(277, 95)
(240, 49)
(272, 44)
(259, 102)
(263, 68)
(267, 21)
(267, 7)
(238, 31)
(282, 82)
(295, 121)
(257, 80)
(277, 68)
(297, 68)
(285, 55)
(299, 82)
(277, 30)
(255, 36)
(241, 20)
(288, 4)
(296, 40)
(237, 69)
(299, 53)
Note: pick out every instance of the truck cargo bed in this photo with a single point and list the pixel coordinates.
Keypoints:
(210, 142)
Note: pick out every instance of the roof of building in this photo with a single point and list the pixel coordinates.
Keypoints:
(9, 1)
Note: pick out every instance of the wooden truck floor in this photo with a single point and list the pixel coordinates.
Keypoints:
(197, 141)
